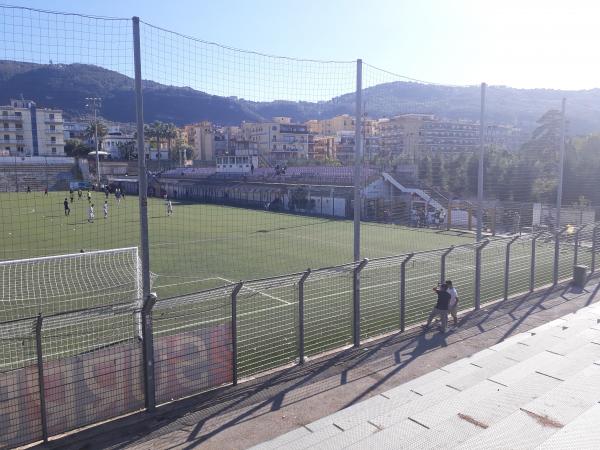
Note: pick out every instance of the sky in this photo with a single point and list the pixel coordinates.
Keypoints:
(518, 43)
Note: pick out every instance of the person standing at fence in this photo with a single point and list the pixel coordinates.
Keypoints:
(67, 209)
(79, 193)
(453, 303)
(440, 308)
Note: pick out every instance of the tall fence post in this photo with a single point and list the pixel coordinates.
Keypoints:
(356, 301)
(142, 175)
(148, 353)
(478, 250)
(594, 247)
(480, 166)
(234, 333)
(507, 266)
(559, 191)
(301, 316)
(403, 291)
(41, 383)
(443, 264)
(357, 160)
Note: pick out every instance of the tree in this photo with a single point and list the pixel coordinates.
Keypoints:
(169, 133)
(90, 132)
(156, 131)
(127, 150)
(76, 149)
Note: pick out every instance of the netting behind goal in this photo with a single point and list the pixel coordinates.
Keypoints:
(63, 283)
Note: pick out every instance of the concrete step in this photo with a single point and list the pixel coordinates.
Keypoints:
(536, 421)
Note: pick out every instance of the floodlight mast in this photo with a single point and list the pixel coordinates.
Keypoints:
(94, 103)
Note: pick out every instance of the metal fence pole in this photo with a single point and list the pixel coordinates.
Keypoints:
(148, 353)
(234, 336)
(403, 291)
(532, 264)
(576, 249)
(41, 383)
(594, 247)
(556, 264)
(478, 250)
(301, 316)
(141, 151)
(443, 264)
(356, 302)
(507, 266)
(357, 159)
(480, 167)
(559, 191)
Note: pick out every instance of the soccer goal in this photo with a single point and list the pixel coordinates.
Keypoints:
(73, 282)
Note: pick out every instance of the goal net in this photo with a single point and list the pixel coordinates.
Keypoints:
(65, 283)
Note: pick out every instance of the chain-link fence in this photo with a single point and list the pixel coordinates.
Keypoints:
(255, 167)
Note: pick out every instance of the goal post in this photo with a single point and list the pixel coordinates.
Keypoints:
(72, 282)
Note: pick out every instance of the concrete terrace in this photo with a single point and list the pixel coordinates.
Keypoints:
(518, 374)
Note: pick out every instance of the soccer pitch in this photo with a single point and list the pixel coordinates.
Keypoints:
(204, 246)
(201, 246)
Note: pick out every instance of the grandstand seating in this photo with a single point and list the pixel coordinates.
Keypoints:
(17, 176)
(343, 175)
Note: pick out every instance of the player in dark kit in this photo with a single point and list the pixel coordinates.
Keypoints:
(67, 209)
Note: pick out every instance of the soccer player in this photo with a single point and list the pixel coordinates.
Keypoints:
(89, 196)
(169, 208)
(46, 190)
(28, 189)
(453, 303)
(71, 194)
(440, 308)
(67, 209)
(79, 193)
(91, 213)
(105, 209)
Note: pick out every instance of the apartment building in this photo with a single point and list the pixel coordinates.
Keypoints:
(31, 131)
(201, 137)
(279, 139)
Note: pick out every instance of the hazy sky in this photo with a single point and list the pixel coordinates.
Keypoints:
(520, 43)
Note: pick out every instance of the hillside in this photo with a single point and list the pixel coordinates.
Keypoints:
(66, 86)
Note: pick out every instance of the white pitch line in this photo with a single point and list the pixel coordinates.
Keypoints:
(258, 292)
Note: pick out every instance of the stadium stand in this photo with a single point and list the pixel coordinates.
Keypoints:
(37, 174)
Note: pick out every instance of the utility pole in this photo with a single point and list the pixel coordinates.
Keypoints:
(94, 102)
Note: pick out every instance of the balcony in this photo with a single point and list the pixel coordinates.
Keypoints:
(48, 120)
(11, 117)
(13, 141)
(49, 131)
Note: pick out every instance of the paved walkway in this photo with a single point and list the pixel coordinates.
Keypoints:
(387, 374)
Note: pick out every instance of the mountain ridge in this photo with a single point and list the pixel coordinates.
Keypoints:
(65, 86)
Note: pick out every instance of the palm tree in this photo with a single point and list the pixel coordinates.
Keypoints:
(156, 131)
(170, 133)
(90, 131)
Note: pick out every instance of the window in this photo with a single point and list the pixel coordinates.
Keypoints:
(5, 126)
(53, 139)
(51, 116)
(20, 149)
(52, 128)
(5, 113)
(19, 126)
(18, 113)
(274, 128)
(274, 138)
(19, 137)
(54, 150)
(6, 137)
